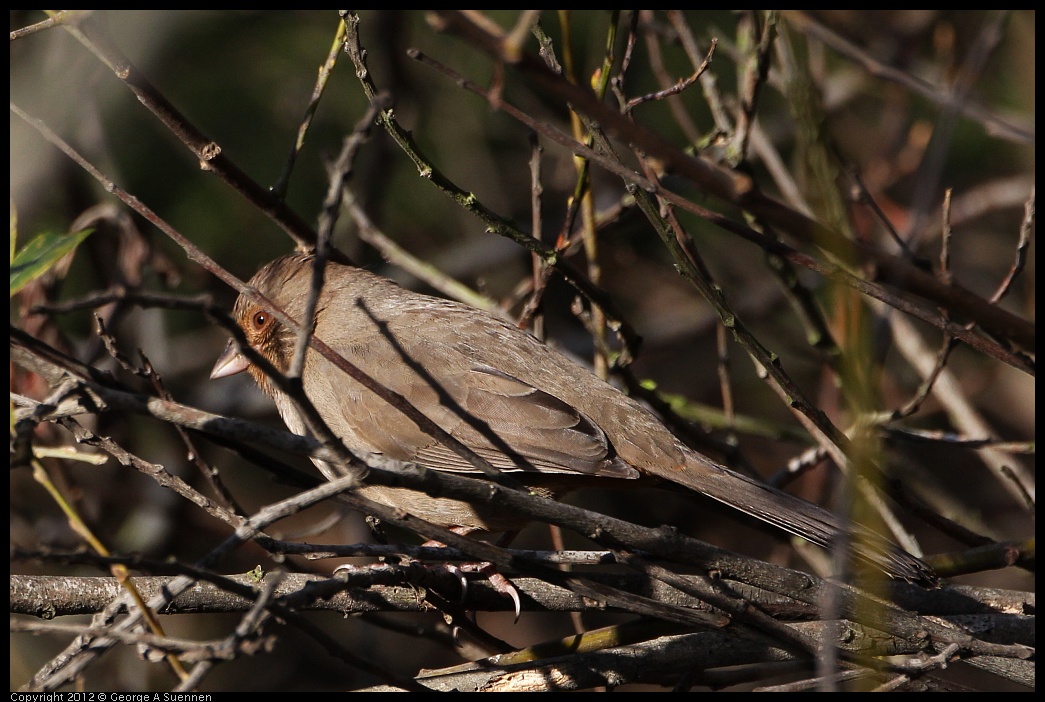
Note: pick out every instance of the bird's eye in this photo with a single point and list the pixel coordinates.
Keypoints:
(260, 319)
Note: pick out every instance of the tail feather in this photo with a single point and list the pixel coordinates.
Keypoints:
(801, 518)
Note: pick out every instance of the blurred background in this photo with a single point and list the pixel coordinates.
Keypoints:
(245, 78)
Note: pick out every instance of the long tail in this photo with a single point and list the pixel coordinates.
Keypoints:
(796, 516)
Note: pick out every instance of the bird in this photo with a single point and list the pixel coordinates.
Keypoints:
(522, 405)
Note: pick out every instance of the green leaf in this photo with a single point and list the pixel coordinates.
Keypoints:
(40, 254)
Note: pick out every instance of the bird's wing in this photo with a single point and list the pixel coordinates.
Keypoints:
(518, 427)
(514, 425)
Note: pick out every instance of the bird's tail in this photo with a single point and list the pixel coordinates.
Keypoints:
(801, 518)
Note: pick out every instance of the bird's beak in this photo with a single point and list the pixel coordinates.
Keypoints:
(230, 362)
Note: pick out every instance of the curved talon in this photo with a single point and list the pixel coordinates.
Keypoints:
(499, 582)
(454, 570)
(504, 586)
(513, 592)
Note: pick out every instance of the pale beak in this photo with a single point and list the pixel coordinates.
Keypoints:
(230, 362)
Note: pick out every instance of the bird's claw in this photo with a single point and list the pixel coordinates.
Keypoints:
(498, 581)
(504, 586)
(461, 578)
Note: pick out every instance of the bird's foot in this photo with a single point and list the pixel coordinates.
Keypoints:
(458, 573)
(499, 582)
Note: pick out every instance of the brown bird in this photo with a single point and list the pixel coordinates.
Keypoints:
(521, 405)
